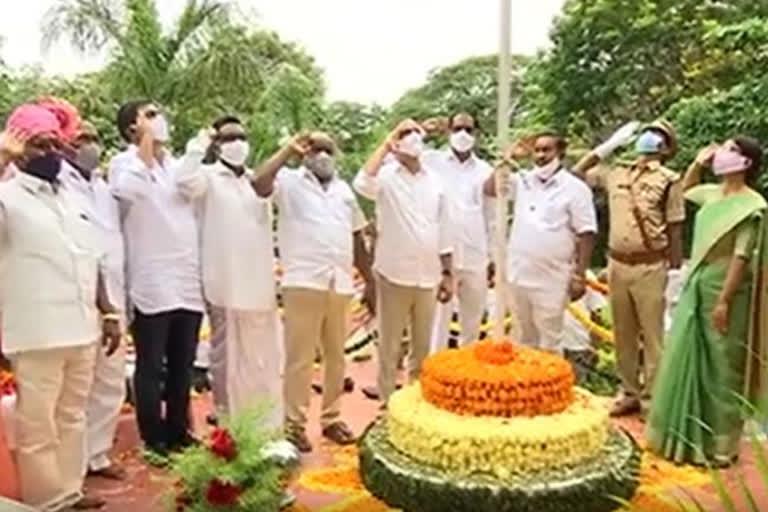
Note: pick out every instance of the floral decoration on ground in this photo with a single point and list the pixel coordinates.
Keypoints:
(495, 445)
(530, 383)
(235, 470)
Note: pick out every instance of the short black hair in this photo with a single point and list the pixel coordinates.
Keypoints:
(560, 142)
(127, 115)
(462, 113)
(228, 119)
(750, 148)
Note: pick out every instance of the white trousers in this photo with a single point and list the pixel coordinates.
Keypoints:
(53, 387)
(540, 315)
(470, 300)
(245, 361)
(104, 405)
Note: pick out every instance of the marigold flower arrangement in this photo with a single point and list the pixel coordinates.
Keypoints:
(498, 380)
(7, 383)
(236, 469)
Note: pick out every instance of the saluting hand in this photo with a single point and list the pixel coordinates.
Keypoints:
(706, 155)
(300, 144)
(12, 143)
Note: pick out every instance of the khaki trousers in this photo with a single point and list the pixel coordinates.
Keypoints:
(313, 318)
(53, 389)
(638, 304)
(396, 304)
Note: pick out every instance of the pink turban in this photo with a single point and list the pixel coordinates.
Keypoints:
(32, 120)
(67, 114)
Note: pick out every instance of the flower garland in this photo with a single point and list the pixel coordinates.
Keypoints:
(499, 446)
(531, 383)
(603, 334)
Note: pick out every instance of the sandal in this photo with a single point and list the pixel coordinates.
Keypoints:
(112, 472)
(298, 438)
(339, 433)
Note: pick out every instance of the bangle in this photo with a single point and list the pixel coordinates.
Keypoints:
(110, 317)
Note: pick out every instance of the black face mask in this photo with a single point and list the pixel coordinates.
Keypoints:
(45, 167)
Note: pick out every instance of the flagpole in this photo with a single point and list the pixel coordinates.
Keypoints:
(502, 135)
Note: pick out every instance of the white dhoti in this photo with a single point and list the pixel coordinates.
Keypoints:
(245, 360)
(470, 301)
(105, 402)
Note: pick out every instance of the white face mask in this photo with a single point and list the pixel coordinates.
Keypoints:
(235, 152)
(412, 145)
(546, 171)
(321, 164)
(462, 141)
(160, 129)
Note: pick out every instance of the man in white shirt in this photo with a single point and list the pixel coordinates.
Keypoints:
(53, 295)
(81, 175)
(550, 244)
(320, 234)
(463, 174)
(237, 254)
(163, 273)
(414, 247)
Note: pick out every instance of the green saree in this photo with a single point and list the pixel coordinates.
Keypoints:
(696, 414)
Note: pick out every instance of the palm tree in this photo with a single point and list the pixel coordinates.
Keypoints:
(204, 65)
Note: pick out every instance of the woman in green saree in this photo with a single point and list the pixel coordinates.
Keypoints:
(714, 353)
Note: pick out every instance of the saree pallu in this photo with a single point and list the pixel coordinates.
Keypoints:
(698, 406)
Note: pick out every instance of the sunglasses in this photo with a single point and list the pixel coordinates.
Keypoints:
(45, 144)
(232, 137)
(469, 129)
(406, 132)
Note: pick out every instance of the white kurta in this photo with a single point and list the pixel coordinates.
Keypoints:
(472, 219)
(238, 284)
(108, 390)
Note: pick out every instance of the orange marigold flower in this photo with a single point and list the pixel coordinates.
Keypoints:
(498, 380)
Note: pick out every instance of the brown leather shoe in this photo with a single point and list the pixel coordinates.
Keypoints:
(626, 406)
(298, 438)
(89, 503)
(339, 433)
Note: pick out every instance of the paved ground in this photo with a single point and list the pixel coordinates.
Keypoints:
(144, 489)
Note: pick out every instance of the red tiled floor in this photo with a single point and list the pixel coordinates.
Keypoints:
(143, 489)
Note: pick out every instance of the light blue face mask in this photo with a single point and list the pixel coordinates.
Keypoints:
(649, 143)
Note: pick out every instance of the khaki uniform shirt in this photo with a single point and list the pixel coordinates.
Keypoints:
(656, 192)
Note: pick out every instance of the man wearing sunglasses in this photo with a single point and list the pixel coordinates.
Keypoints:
(413, 250)
(320, 233)
(463, 174)
(163, 275)
(53, 296)
(237, 266)
(82, 176)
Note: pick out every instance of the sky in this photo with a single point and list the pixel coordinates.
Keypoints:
(371, 50)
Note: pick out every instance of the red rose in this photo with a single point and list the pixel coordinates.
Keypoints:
(222, 444)
(222, 494)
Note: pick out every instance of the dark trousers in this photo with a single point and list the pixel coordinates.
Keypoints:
(170, 337)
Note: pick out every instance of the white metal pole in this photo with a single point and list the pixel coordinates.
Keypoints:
(503, 141)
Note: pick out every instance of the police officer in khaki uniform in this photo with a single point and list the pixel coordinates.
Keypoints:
(646, 217)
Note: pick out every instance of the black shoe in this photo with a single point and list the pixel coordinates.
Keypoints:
(187, 441)
(156, 456)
